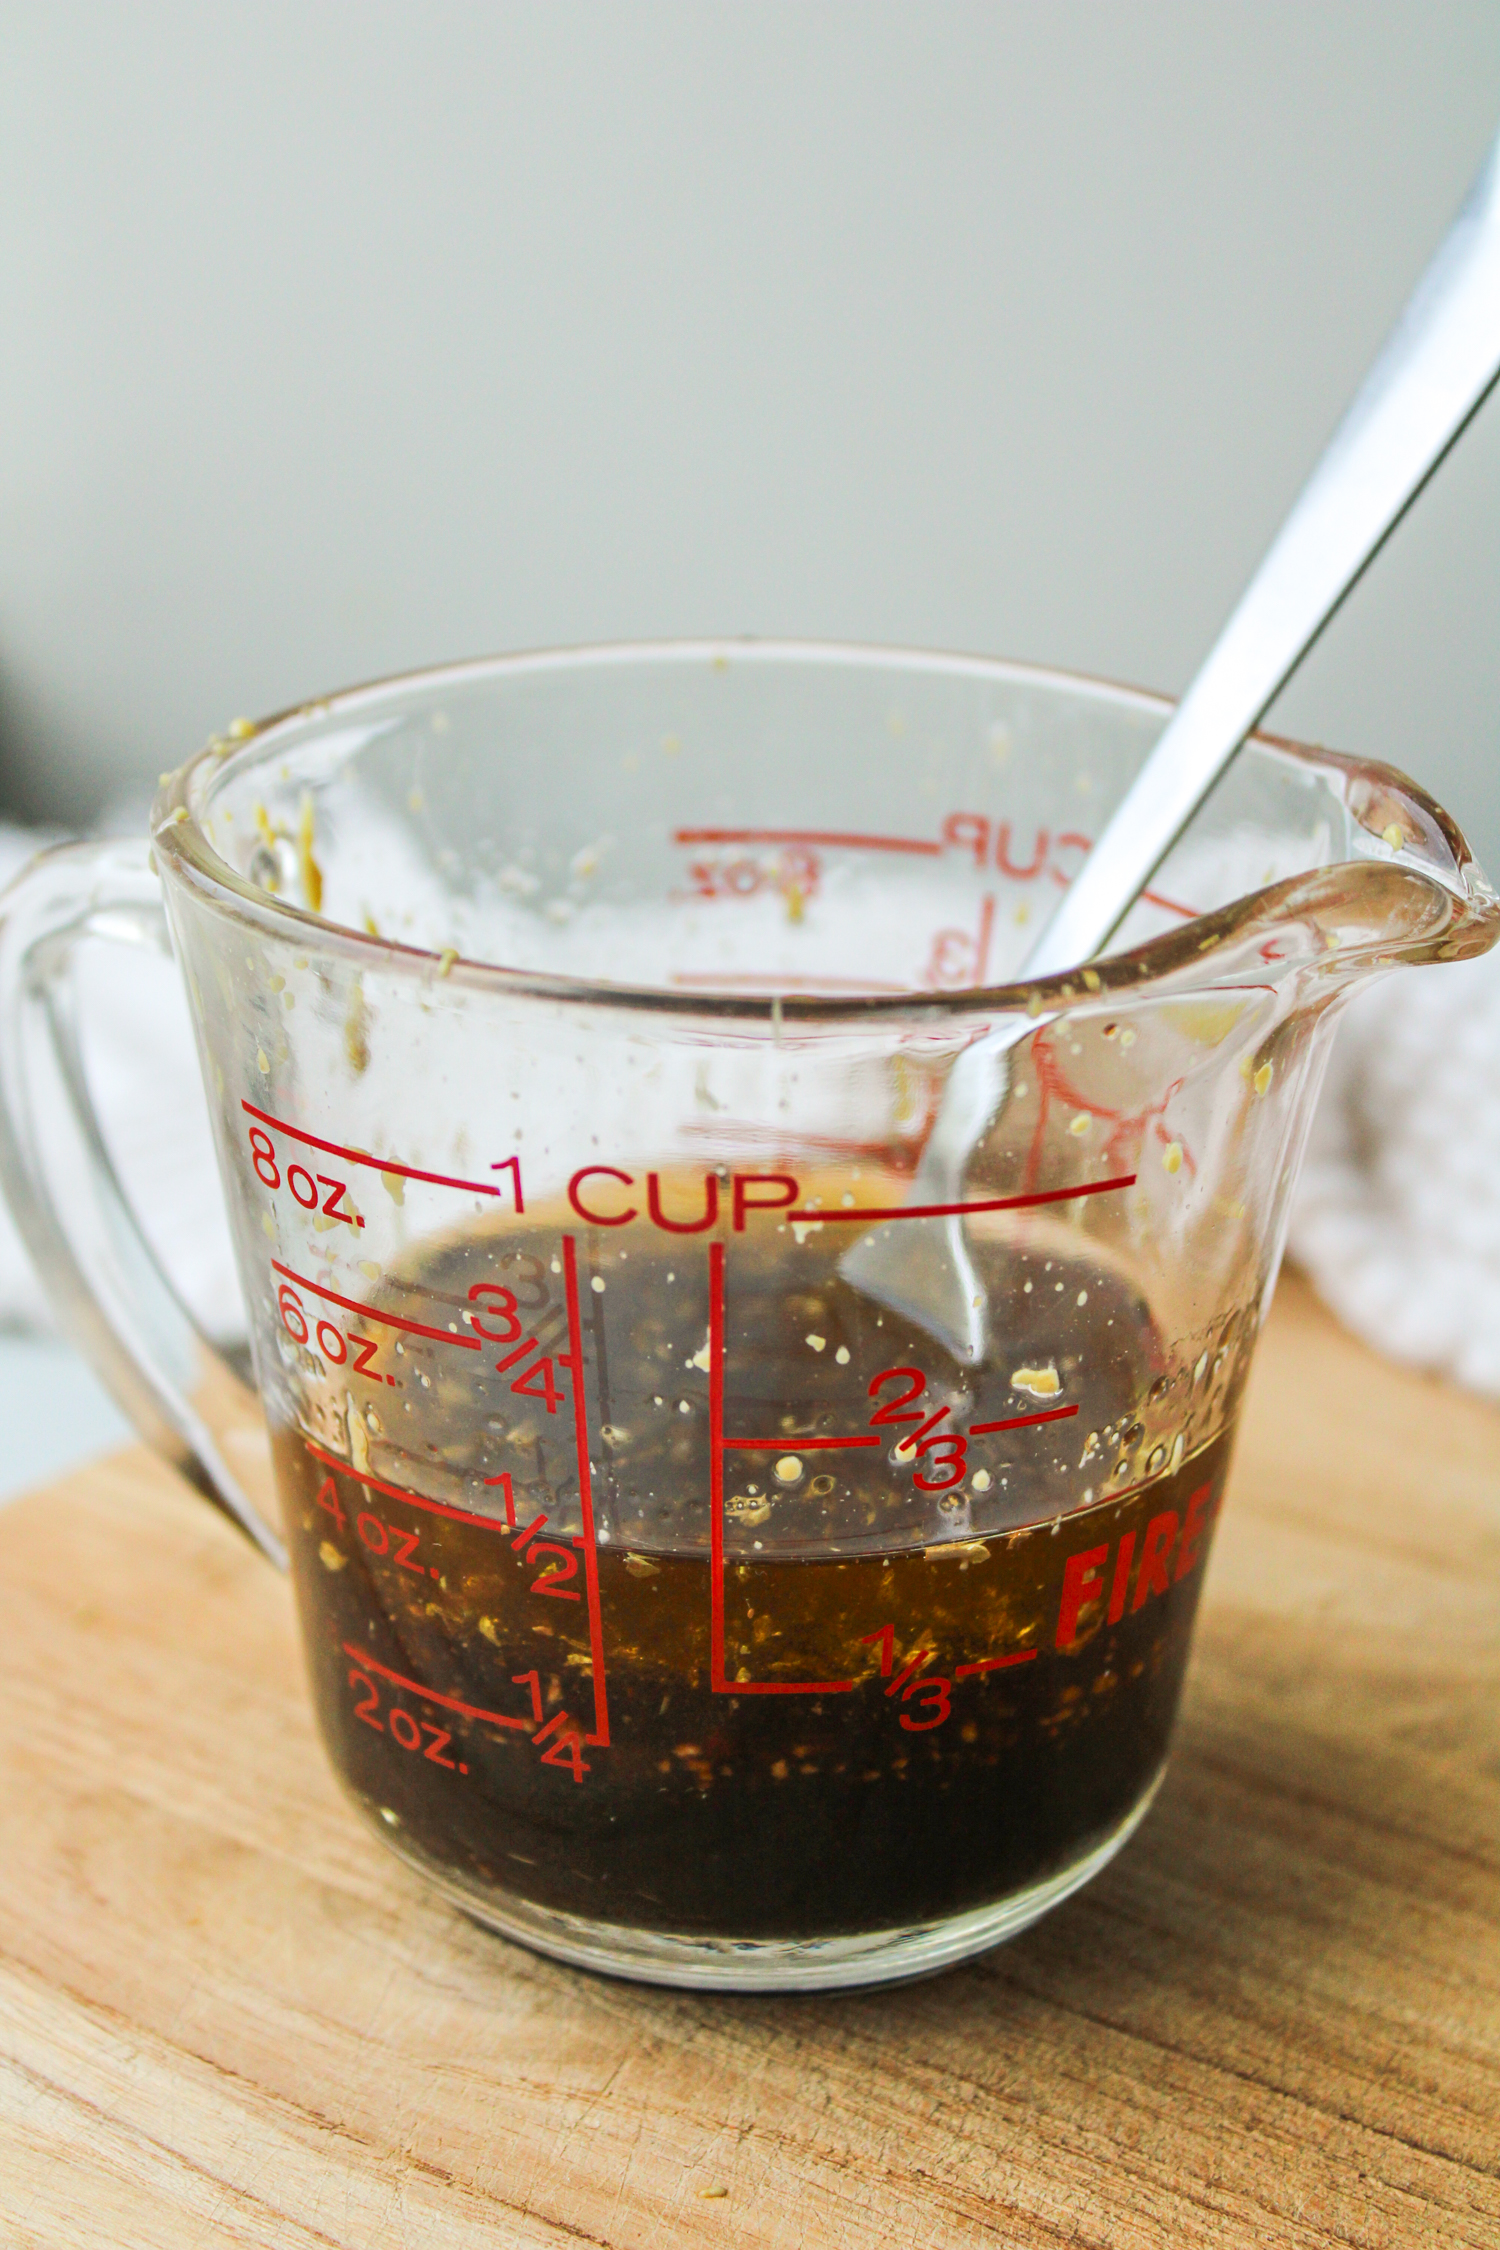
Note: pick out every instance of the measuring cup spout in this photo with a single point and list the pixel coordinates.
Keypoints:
(1407, 893)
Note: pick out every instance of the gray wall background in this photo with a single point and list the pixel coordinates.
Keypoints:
(336, 338)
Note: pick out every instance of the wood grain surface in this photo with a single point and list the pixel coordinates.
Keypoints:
(227, 2018)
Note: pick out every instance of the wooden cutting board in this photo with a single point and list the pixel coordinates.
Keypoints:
(227, 2018)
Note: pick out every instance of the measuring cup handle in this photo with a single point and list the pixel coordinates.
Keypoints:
(105, 1281)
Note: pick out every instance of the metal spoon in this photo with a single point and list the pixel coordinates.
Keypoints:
(1436, 367)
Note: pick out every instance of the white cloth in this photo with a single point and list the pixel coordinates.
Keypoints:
(1397, 1217)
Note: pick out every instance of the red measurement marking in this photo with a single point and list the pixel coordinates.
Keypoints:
(510, 1359)
(960, 960)
(872, 1214)
(396, 1492)
(566, 1747)
(383, 1163)
(511, 1164)
(909, 1669)
(913, 1444)
(600, 1735)
(716, 1465)
(793, 1445)
(994, 1663)
(1023, 1421)
(368, 1312)
(832, 838)
(838, 840)
(717, 1447)
(431, 1695)
(507, 1492)
(553, 1577)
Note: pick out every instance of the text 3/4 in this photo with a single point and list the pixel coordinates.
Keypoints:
(495, 1317)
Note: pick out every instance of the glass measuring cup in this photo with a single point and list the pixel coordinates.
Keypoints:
(564, 1019)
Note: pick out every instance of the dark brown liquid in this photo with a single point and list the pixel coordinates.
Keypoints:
(1011, 1683)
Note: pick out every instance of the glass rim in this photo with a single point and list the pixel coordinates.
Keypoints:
(180, 842)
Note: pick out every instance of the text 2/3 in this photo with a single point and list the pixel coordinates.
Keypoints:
(948, 1449)
(315, 1191)
(342, 1346)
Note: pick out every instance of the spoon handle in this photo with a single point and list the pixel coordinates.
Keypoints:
(1434, 372)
